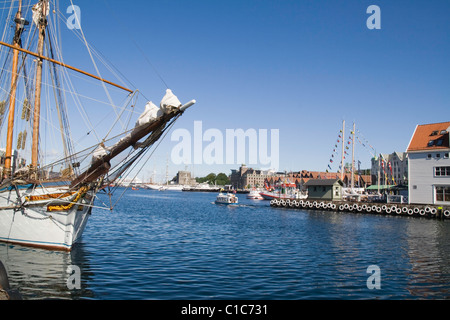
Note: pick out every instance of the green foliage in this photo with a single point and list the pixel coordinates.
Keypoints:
(221, 179)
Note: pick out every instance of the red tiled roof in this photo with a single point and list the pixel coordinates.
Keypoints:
(426, 137)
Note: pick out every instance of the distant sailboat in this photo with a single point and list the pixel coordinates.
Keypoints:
(46, 201)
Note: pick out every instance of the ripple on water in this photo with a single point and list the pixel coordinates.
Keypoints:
(177, 245)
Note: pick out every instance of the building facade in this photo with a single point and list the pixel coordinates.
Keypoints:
(390, 169)
(324, 189)
(247, 178)
(185, 178)
(429, 164)
(17, 161)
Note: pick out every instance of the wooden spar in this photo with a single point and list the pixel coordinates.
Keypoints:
(102, 166)
(37, 99)
(12, 99)
(65, 66)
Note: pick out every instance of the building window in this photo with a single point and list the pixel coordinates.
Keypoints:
(441, 171)
(446, 155)
(443, 193)
(438, 155)
(429, 156)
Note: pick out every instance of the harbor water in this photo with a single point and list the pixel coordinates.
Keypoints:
(180, 245)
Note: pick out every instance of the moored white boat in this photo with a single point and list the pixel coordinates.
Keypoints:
(174, 187)
(255, 195)
(284, 190)
(50, 217)
(279, 195)
(153, 186)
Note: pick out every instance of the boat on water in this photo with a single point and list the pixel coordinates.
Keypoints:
(284, 191)
(174, 187)
(267, 195)
(153, 186)
(255, 195)
(226, 198)
(165, 187)
(202, 188)
(48, 187)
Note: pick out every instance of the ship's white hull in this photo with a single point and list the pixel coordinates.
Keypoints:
(165, 187)
(32, 223)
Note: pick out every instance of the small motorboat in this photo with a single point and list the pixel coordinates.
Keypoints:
(228, 198)
(255, 195)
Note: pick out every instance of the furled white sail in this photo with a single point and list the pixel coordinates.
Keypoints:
(150, 114)
(169, 102)
(99, 152)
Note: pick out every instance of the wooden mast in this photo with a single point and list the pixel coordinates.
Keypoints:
(12, 99)
(37, 100)
(343, 150)
(353, 156)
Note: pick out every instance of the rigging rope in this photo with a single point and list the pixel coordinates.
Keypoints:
(92, 59)
(136, 45)
(142, 152)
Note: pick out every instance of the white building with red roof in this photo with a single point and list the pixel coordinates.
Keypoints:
(429, 164)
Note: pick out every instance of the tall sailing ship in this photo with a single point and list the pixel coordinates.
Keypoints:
(50, 175)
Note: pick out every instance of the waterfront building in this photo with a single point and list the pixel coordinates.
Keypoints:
(360, 180)
(17, 162)
(396, 174)
(429, 164)
(324, 189)
(247, 178)
(184, 178)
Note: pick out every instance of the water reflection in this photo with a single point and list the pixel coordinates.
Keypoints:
(188, 248)
(42, 274)
(428, 253)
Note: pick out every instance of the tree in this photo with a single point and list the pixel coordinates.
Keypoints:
(211, 178)
(222, 179)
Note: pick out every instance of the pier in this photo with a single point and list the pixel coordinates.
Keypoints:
(398, 209)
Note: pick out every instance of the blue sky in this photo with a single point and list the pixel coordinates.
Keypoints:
(299, 66)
